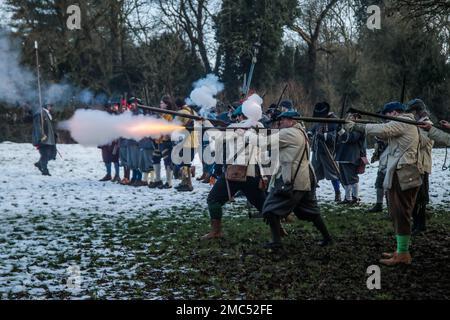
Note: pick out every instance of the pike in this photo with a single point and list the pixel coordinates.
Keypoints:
(39, 89)
(182, 115)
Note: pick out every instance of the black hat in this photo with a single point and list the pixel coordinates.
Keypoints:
(321, 110)
(287, 104)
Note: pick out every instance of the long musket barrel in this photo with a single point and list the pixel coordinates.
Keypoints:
(381, 116)
(179, 114)
(305, 119)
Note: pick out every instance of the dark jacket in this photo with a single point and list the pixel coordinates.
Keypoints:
(43, 129)
(350, 147)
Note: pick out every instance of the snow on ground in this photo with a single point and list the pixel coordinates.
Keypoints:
(49, 224)
(74, 186)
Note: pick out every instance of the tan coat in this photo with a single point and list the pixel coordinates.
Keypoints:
(292, 144)
(246, 155)
(439, 136)
(192, 139)
(403, 142)
(426, 149)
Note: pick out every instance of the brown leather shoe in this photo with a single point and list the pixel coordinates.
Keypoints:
(388, 255)
(203, 176)
(398, 258)
(216, 230)
(125, 182)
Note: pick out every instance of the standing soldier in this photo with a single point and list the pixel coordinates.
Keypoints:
(44, 138)
(294, 170)
(163, 151)
(146, 148)
(419, 109)
(402, 179)
(323, 148)
(133, 149)
(351, 149)
(226, 188)
(189, 146)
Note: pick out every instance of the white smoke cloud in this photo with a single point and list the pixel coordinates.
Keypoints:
(18, 84)
(252, 109)
(97, 128)
(15, 81)
(204, 93)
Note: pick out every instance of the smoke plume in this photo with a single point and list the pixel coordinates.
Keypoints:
(18, 84)
(97, 128)
(204, 93)
(252, 109)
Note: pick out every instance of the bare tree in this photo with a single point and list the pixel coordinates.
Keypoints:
(193, 18)
(308, 26)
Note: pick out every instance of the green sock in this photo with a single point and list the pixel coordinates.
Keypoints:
(403, 243)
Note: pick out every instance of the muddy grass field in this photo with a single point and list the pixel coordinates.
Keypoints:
(152, 257)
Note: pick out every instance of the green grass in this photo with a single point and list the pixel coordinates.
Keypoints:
(180, 265)
(161, 256)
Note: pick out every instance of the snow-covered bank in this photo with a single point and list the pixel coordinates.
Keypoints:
(74, 187)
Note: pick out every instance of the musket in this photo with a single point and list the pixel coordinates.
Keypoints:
(182, 115)
(305, 119)
(390, 118)
(385, 117)
(331, 120)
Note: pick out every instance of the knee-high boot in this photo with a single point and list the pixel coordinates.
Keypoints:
(320, 225)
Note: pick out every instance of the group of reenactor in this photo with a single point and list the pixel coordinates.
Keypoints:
(339, 155)
(327, 151)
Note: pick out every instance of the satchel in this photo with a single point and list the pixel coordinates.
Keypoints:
(236, 172)
(409, 177)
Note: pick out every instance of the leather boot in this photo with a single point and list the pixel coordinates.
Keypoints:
(216, 230)
(326, 238)
(184, 174)
(206, 179)
(106, 178)
(376, 208)
(398, 258)
(201, 177)
(337, 197)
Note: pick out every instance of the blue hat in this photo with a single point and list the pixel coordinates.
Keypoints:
(238, 111)
(393, 106)
(289, 115)
(416, 105)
